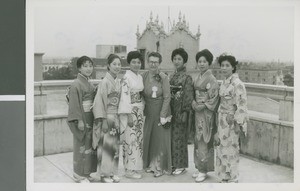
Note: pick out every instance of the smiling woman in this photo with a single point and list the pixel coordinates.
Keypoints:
(107, 126)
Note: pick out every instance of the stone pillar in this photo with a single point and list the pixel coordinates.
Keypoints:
(38, 66)
(286, 105)
(40, 100)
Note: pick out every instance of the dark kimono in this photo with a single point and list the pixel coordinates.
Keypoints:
(106, 107)
(80, 120)
(157, 139)
(206, 96)
(182, 95)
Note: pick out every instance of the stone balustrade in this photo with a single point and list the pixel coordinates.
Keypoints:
(268, 138)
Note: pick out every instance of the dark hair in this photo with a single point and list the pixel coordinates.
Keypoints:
(207, 54)
(133, 55)
(231, 59)
(111, 58)
(82, 60)
(182, 53)
(155, 54)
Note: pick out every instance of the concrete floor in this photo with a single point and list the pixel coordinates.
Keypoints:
(58, 169)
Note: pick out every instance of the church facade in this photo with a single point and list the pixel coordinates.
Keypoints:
(155, 38)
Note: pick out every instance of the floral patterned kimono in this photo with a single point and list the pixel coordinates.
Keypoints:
(232, 114)
(207, 93)
(157, 139)
(182, 95)
(106, 107)
(131, 103)
(80, 120)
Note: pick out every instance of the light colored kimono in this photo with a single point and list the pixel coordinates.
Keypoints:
(232, 114)
(105, 106)
(131, 103)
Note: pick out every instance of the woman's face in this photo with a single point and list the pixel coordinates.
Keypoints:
(178, 61)
(115, 66)
(226, 68)
(153, 63)
(203, 64)
(135, 65)
(86, 69)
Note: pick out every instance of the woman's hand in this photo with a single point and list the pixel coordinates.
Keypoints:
(183, 117)
(163, 120)
(194, 104)
(130, 120)
(216, 140)
(104, 126)
(98, 123)
(198, 106)
(80, 125)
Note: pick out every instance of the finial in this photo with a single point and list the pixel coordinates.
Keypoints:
(198, 33)
(174, 23)
(137, 31)
(180, 45)
(179, 17)
(156, 20)
(151, 16)
(162, 25)
(184, 18)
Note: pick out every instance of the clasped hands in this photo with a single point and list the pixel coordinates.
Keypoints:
(198, 106)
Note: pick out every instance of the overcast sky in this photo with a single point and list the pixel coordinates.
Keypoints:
(257, 33)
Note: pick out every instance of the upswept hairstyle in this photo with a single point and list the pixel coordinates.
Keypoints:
(182, 53)
(111, 58)
(207, 54)
(230, 58)
(82, 60)
(134, 55)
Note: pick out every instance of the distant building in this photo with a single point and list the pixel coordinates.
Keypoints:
(48, 66)
(155, 38)
(103, 51)
(260, 76)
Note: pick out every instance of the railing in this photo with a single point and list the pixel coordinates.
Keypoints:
(283, 94)
(268, 138)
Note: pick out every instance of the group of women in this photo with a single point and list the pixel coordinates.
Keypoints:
(150, 116)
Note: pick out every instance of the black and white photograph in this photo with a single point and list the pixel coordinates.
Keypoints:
(191, 92)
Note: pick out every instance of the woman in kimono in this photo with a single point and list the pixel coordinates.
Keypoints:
(157, 134)
(232, 120)
(80, 120)
(131, 110)
(106, 129)
(182, 95)
(205, 106)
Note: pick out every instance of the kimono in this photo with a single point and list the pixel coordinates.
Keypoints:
(131, 103)
(157, 139)
(106, 108)
(206, 96)
(182, 95)
(232, 117)
(80, 121)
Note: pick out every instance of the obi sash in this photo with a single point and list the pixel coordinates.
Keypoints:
(113, 102)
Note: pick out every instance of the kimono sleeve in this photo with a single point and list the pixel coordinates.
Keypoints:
(165, 110)
(125, 99)
(241, 113)
(213, 95)
(188, 95)
(74, 112)
(100, 101)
